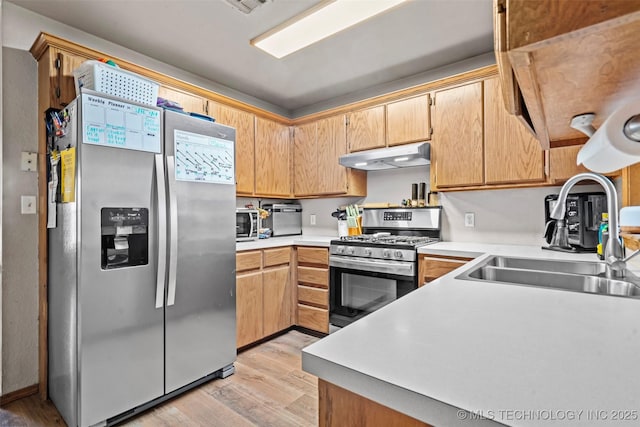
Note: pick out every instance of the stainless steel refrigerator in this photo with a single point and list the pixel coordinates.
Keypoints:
(141, 260)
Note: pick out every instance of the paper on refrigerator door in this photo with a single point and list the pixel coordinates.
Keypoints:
(52, 188)
(68, 172)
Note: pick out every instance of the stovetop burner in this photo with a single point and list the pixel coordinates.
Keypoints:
(388, 239)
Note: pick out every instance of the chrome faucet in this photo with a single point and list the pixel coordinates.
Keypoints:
(613, 252)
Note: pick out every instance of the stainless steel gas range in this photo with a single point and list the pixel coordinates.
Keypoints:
(370, 270)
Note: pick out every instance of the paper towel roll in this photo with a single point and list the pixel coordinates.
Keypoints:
(609, 149)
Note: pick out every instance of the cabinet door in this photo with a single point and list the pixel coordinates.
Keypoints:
(249, 294)
(277, 299)
(512, 154)
(61, 66)
(244, 123)
(332, 143)
(273, 163)
(457, 139)
(431, 267)
(305, 160)
(366, 129)
(189, 103)
(562, 163)
(408, 120)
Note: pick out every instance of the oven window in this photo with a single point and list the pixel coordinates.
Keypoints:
(355, 293)
(367, 293)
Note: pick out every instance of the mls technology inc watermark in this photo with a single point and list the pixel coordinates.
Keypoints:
(551, 415)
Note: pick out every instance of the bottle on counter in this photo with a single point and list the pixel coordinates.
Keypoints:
(603, 235)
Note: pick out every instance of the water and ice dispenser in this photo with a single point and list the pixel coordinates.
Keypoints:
(125, 237)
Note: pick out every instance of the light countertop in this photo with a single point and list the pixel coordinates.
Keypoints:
(517, 355)
(273, 242)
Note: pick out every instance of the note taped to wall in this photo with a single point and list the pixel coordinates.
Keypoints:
(68, 172)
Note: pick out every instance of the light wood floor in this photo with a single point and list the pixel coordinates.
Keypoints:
(268, 388)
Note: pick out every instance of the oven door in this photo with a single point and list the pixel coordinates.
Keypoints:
(359, 286)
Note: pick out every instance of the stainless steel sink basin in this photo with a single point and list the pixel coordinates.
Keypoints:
(557, 266)
(577, 276)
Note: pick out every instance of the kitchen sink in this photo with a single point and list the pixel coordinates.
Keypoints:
(577, 276)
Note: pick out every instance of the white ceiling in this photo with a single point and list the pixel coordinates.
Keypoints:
(211, 39)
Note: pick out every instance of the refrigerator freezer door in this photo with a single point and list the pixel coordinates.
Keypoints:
(120, 329)
(200, 326)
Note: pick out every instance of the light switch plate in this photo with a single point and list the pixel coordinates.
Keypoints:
(29, 162)
(312, 219)
(28, 205)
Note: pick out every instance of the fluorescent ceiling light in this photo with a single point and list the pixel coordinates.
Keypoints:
(325, 19)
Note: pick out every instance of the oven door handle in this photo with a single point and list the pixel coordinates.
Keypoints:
(365, 264)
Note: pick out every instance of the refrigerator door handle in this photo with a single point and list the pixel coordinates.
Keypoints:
(173, 231)
(162, 230)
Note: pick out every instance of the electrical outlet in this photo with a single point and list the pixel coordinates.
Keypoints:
(469, 219)
(312, 219)
(27, 204)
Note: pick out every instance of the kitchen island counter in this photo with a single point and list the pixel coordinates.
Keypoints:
(517, 355)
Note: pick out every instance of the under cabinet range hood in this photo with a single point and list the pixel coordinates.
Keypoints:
(401, 156)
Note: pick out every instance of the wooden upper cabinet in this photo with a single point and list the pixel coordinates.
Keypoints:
(568, 57)
(305, 160)
(244, 123)
(457, 149)
(562, 163)
(366, 129)
(512, 154)
(273, 158)
(59, 72)
(189, 103)
(332, 143)
(408, 120)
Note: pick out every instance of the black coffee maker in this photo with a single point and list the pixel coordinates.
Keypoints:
(583, 216)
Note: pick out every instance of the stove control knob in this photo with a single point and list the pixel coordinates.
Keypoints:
(340, 250)
(386, 253)
(351, 251)
(368, 251)
(398, 254)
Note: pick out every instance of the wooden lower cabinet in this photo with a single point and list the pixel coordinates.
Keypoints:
(249, 308)
(264, 296)
(277, 299)
(340, 407)
(430, 267)
(313, 288)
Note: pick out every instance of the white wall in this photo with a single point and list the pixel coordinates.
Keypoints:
(20, 232)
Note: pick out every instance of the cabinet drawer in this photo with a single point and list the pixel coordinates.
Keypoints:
(316, 256)
(249, 260)
(277, 256)
(314, 276)
(314, 296)
(313, 318)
